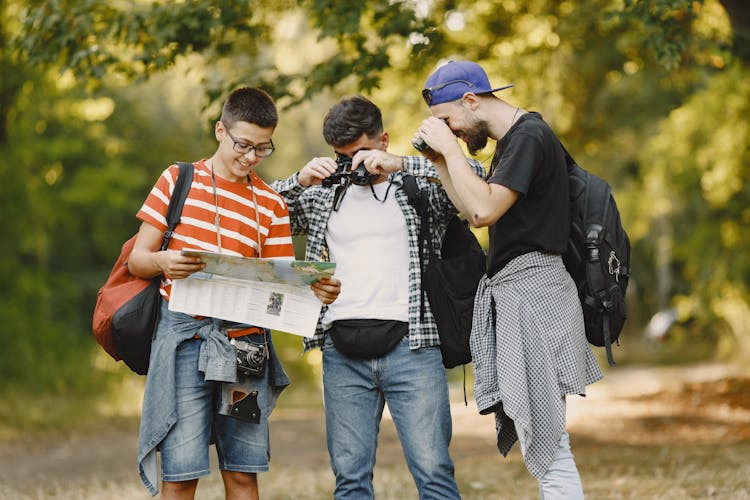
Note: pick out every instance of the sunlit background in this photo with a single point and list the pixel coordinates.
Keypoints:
(97, 98)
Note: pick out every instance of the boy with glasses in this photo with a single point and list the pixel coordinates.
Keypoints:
(229, 209)
(377, 347)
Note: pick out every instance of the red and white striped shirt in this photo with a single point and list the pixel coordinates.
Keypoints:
(237, 216)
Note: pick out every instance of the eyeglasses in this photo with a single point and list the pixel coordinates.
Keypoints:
(262, 151)
(427, 93)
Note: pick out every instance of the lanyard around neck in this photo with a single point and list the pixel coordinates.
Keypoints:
(217, 217)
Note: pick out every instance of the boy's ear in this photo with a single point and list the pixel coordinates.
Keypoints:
(219, 131)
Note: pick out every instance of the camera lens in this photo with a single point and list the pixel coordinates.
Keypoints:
(419, 144)
(344, 163)
(360, 176)
(254, 357)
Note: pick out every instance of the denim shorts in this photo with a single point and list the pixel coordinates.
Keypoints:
(241, 446)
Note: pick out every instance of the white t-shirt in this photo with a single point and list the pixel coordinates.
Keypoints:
(369, 243)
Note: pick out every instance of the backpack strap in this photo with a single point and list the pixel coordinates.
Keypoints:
(568, 159)
(418, 199)
(597, 208)
(177, 200)
(414, 194)
(600, 299)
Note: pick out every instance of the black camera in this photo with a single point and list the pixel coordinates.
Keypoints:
(344, 175)
(251, 358)
(360, 175)
(419, 144)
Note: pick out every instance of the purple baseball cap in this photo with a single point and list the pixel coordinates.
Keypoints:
(452, 80)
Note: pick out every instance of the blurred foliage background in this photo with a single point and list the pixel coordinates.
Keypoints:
(97, 98)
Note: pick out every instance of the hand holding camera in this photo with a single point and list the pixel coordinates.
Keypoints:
(420, 144)
(316, 171)
(345, 175)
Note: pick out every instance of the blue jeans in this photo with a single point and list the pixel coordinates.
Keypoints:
(414, 386)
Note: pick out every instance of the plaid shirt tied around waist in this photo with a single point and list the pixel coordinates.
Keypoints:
(532, 354)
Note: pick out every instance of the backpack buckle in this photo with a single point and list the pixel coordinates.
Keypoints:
(593, 238)
(606, 301)
(614, 265)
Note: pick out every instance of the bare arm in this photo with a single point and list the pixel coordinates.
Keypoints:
(147, 260)
(481, 203)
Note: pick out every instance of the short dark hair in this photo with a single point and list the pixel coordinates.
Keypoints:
(251, 105)
(349, 119)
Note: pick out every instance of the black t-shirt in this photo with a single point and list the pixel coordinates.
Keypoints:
(529, 159)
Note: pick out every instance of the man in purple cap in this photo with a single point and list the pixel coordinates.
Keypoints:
(528, 340)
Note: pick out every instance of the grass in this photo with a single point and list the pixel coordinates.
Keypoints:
(644, 434)
(608, 473)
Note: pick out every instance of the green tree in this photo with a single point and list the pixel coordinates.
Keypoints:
(94, 95)
(76, 166)
(699, 180)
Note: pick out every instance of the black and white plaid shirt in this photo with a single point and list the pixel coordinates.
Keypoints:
(310, 208)
(529, 353)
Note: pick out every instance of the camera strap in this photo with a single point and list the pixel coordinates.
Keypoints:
(217, 217)
(338, 196)
(388, 189)
(265, 342)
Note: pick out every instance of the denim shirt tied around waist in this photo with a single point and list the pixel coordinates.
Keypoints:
(217, 362)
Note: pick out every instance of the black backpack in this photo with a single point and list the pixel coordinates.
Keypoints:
(598, 256)
(449, 279)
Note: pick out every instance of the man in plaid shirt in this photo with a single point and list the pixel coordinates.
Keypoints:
(377, 348)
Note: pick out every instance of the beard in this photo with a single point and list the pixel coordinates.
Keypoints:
(476, 136)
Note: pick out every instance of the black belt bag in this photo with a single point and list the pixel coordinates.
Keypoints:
(367, 338)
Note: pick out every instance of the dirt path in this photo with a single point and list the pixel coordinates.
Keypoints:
(635, 409)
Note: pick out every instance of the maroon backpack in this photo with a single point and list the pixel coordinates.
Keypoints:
(127, 307)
